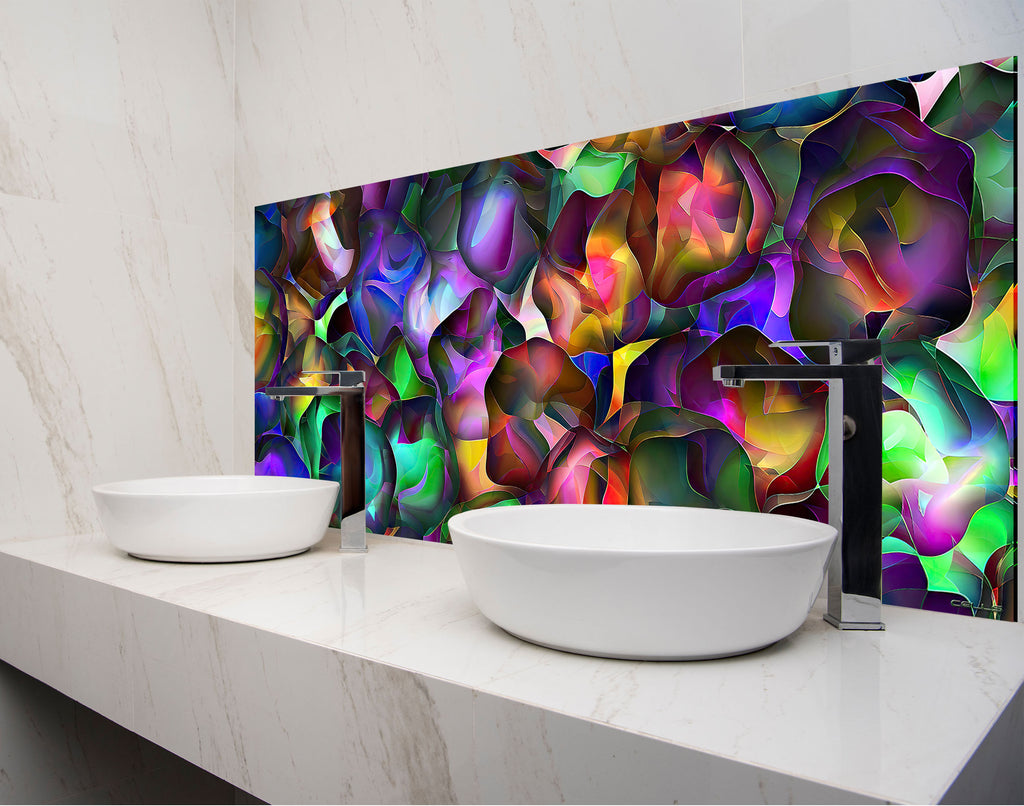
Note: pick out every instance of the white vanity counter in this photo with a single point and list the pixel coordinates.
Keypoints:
(373, 678)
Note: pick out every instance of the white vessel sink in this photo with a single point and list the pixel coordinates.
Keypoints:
(642, 582)
(209, 519)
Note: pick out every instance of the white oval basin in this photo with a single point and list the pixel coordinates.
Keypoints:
(210, 519)
(642, 582)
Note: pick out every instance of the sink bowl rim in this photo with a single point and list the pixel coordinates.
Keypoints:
(638, 585)
(215, 518)
(816, 533)
(262, 485)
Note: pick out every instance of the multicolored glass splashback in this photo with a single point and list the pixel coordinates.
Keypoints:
(542, 327)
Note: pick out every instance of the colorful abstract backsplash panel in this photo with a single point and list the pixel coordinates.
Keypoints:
(542, 328)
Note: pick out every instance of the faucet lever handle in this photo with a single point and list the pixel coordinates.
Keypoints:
(841, 351)
(342, 377)
(325, 372)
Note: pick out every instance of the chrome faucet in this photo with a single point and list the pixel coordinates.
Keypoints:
(349, 386)
(854, 431)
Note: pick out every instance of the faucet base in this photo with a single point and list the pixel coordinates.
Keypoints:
(352, 533)
(351, 540)
(853, 625)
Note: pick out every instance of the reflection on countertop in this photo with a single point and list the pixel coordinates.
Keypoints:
(373, 677)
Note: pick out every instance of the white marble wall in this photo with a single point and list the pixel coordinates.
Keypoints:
(116, 305)
(116, 314)
(332, 94)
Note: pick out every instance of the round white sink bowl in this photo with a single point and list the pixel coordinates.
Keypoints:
(642, 582)
(211, 519)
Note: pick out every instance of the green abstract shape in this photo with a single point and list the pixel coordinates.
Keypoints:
(426, 480)
(597, 173)
(734, 485)
(990, 358)
(439, 211)
(821, 464)
(380, 479)
(993, 174)
(657, 474)
(309, 434)
(954, 413)
(893, 545)
(906, 451)
(396, 365)
(985, 345)
(970, 582)
(321, 324)
(937, 570)
(892, 517)
(669, 471)
(419, 486)
(411, 208)
(991, 528)
(973, 101)
(512, 332)
(491, 498)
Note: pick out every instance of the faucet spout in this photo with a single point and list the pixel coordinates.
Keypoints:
(738, 374)
(854, 432)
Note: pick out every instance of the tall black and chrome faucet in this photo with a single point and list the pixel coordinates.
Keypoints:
(349, 386)
(854, 432)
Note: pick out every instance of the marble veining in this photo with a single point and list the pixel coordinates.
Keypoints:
(116, 186)
(105, 377)
(385, 655)
(102, 108)
(25, 333)
(573, 60)
(844, 45)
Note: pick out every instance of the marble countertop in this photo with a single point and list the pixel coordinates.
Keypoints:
(822, 715)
